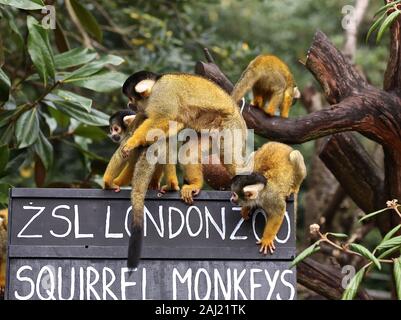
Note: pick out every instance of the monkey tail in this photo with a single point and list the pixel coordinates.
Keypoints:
(244, 84)
(297, 160)
(136, 238)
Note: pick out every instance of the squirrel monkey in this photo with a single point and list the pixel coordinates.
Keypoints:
(3, 247)
(119, 122)
(271, 82)
(279, 172)
(192, 102)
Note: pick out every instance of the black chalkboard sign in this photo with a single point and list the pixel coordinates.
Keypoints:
(72, 244)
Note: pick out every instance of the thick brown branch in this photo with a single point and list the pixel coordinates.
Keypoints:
(344, 116)
(358, 175)
(323, 280)
(335, 74)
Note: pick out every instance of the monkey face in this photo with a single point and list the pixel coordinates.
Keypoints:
(138, 88)
(116, 132)
(246, 188)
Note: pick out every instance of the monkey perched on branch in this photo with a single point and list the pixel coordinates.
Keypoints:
(272, 85)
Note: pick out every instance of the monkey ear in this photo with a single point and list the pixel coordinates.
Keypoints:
(252, 191)
(144, 87)
(128, 119)
(297, 93)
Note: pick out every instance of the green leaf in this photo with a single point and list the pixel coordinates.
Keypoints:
(375, 25)
(388, 252)
(23, 4)
(338, 235)
(93, 67)
(27, 128)
(391, 233)
(366, 253)
(87, 20)
(4, 193)
(94, 133)
(101, 82)
(373, 214)
(4, 86)
(44, 150)
(74, 57)
(387, 23)
(393, 242)
(62, 119)
(85, 152)
(306, 253)
(94, 117)
(5, 117)
(352, 289)
(7, 134)
(4, 156)
(39, 49)
(397, 276)
(387, 6)
(68, 96)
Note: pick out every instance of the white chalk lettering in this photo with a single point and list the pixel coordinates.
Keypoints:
(253, 284)
(207, 282)
(25, 279)
(40, 210)
(108, 284)
(186, 278)
(219, 283)
(209, 218)
(124, 283)
(62, 218)
(76, 221)
(190, 232)
(172, 235)
(272, 282)
(287, 284)
(233, 235)
(160, 230)
(107, 233)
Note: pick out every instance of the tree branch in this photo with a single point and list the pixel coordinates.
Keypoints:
(358, 175)
(323, 280)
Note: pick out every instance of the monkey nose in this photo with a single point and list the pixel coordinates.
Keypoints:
(234, 199)
(116, 138)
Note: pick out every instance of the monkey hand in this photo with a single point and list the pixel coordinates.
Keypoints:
(266, 245)
(111, 185)
(125, 151)
(188, 191)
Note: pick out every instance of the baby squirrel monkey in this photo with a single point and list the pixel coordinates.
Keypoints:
(271, 82)
(119, 123)
(190, 101)
(279, 171)
(3, 247)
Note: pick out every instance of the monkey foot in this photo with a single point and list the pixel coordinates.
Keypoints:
(117, 189)
(266, 246)
(171, 186)
(188, 192)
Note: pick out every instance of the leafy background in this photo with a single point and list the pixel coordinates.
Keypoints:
(58, 87)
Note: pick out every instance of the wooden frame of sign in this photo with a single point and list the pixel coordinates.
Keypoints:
(72, 244)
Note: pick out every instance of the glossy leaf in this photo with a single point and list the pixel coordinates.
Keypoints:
(94, 133)
(73, 98)
(87, 20)
(44, 149)
(306, 253)
(101, 82)
(39, 49)
(93, 67)
(352, 289)
(94, 117)
(375, 25)
(338, 235)
(397, 276)
(391, 233)
(388, 252)
(74, 57)
(393, 242)
(373, 214)
(366, 253)
(386, 24)
(4, 86)
(24, 4)
(27, 128)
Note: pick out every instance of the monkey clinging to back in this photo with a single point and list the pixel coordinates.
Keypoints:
(278, 172)
(272, 85)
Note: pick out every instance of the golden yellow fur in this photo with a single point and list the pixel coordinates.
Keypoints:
(284, 169)
(271, 82)
(3, 246)
(191, 101)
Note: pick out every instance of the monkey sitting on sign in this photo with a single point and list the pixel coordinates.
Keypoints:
(3, 247)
